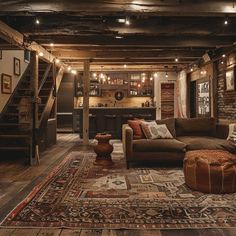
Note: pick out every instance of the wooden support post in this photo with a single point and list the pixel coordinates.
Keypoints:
(86, 82)
(34, 78)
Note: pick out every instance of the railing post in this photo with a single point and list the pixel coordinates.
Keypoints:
(86, 81)
(34, 80)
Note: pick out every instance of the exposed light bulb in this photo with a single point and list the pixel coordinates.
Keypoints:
(125, 66)
(118, 37)
(57, 61)
(94, 74)
(127, 21)
(176, 59)
(222, 62)
(226, 22)
(166, 75)
(223, 55)
(151, 78)
(121, 20)
(37, 22)
(191, 69)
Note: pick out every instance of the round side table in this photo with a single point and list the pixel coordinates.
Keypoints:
(103, 150)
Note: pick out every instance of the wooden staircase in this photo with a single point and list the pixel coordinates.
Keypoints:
(16, 139)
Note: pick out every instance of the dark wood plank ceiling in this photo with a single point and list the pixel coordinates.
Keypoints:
(159, 31)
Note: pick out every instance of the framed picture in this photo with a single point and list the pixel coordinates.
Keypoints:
(16, 66)
(230, 79)
(6, 84)
(0, 54)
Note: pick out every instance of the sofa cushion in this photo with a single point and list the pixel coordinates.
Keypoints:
(158, 145)
(136, 127)
(170, 123)
(195, 127)
(203, 142)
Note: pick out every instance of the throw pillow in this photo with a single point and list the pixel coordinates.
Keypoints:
(232, 132)
(135, 125)
(154, 131)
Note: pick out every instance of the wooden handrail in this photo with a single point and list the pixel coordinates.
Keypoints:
(45, 76)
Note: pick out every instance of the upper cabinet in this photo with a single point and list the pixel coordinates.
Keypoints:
(141, 85)
(136, 84)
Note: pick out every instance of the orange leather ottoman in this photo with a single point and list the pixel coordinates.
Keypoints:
(210, 171)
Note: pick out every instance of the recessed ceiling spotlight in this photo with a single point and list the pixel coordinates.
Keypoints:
(57, 61)
(191, 69)
(118, 37)
(176, 59)
(51, 44)
(121, 20)
(37, 22)
(41, 54)
(125, 66)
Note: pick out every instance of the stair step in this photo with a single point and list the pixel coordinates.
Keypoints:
(14, 136)
(15, 148)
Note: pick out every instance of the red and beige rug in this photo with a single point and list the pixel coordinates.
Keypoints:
(78, 194)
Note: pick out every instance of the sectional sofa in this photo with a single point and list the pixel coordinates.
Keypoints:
(189, 134)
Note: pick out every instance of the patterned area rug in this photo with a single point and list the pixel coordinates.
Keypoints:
(78, 194)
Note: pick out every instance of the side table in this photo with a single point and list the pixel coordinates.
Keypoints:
(103, 150)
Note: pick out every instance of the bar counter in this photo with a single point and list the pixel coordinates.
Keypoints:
(110, 119)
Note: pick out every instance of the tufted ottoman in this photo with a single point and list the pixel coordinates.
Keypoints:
(210, 171)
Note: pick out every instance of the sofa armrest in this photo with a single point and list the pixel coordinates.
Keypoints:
(222, 131)
(127, 140)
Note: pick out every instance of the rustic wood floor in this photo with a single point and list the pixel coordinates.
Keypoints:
(16, 176)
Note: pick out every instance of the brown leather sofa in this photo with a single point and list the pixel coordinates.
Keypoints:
(189, 134)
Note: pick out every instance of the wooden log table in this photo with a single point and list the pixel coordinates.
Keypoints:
(103, 150)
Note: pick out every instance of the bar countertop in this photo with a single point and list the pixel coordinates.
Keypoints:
(129, 108)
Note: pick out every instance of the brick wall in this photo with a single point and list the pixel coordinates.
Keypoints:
(226, 100)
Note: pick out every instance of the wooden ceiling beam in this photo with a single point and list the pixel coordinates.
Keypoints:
(180, 41)
(109, 54)
(140, 8)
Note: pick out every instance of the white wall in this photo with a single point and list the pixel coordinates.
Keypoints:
(6, 67)
(161, 77)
